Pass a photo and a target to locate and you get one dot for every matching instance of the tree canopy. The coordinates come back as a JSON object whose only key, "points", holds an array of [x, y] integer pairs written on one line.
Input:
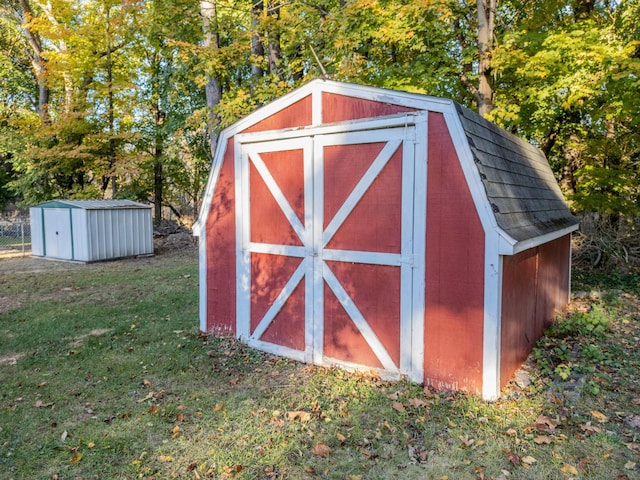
{"points": [[106, 98]]}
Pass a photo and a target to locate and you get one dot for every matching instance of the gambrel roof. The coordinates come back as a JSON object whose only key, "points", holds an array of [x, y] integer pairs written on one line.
{"points": [[524, 194]]}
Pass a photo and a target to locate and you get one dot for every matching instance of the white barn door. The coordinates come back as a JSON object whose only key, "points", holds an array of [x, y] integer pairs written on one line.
{"points": [[329, 268]]}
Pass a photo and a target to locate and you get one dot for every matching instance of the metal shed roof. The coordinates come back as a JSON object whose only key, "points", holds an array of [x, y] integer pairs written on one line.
{"points": [[524, 194], [92, 204]]}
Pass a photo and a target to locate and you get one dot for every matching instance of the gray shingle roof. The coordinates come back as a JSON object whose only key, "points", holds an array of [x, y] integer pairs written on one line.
{"points": [[523, 192]]}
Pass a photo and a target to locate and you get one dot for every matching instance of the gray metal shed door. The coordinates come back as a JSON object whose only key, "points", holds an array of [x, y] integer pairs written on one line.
{"points": [[57, 233]]}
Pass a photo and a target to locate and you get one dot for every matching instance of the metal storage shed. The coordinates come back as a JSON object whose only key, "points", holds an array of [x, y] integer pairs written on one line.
{"points": [[91, 230], [383, 230]]}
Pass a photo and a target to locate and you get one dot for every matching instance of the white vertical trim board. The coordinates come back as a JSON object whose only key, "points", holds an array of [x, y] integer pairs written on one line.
{"points": [[492, 319], [202, 277], [243, 254], [316, 107], [316, 323], [419, 211]]}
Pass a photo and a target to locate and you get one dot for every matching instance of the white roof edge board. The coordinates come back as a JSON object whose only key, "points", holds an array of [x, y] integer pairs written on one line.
{"points": [[513, 247]]}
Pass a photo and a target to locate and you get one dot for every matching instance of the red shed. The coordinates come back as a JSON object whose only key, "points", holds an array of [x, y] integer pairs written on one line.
{"points": [[383, 230]]}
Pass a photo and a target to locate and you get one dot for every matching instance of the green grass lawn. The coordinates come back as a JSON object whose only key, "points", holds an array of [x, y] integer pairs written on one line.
{"points": [[104, 375]]}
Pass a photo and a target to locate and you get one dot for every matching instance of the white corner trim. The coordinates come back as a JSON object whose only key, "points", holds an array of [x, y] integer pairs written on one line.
{"points": [[492, 319], [202, 277]]}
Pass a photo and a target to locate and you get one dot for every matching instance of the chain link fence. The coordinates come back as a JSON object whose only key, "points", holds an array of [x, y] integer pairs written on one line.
{"points": [[15, 233]]}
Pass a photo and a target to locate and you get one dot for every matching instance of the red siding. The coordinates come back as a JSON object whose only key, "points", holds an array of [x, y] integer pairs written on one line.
{"points": [[374, 223], [535, 283], [297, 114], [454, 299], [519, 331], [339, 108], [221, 249]]}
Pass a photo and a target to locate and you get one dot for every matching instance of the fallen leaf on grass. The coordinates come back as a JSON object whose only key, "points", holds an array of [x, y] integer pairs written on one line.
{"points": [[321, 450], [569, 469], [542, 439], [634, 447], [165, 458], [601, 417], [513, 458], [589, 429], [545, 424], [466, 441], [398, 407], [149, 396], [630, 465], [417, 403], [528, 460], [341, 437], [299, 415], [76, 457], [365, 452], [41, 404], [512, 432]]}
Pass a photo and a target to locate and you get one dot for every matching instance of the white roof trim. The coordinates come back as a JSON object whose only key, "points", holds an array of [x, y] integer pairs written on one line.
{"points": [[513, 247]]}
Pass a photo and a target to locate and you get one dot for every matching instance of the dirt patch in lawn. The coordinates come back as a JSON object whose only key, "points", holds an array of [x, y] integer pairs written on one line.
{"points": [[16, 267]]}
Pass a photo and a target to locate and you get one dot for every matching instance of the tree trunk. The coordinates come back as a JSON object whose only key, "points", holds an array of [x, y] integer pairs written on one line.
{"points": [[275, 51], [213, 89], [60, 46], [37, 63], [486, 21], [257, 45], [158, 177], [112, 140]]}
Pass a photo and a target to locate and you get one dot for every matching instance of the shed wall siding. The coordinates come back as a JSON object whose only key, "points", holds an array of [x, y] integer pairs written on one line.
{"points": [[37, 233], [454, 293], [339, 108], [221, 251], [297, 114], [535, 284]]}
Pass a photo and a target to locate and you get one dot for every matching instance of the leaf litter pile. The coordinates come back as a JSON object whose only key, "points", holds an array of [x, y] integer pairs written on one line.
{"points": [[120, 384]]}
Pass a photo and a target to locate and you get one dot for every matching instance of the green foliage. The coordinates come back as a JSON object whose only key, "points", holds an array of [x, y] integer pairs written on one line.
{"points": [[592, 324], [126, 83], [566, 86]]}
